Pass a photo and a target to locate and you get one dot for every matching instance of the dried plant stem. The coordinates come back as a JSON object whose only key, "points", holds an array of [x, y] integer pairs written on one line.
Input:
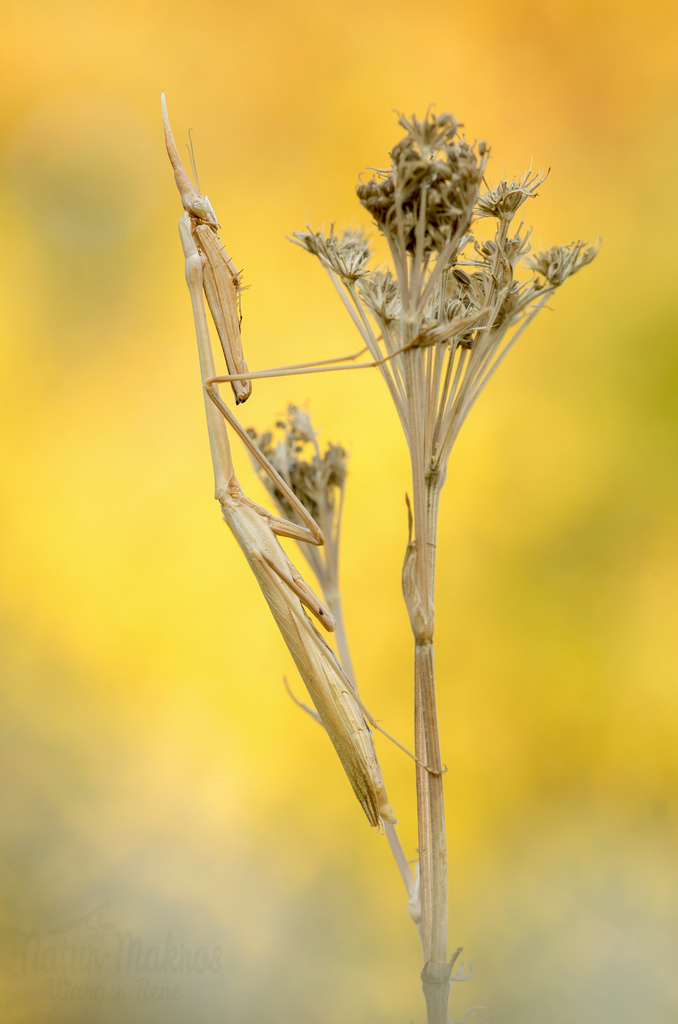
{"points": [[333, 600], [418, 588], [402, 863], [430, 808]]}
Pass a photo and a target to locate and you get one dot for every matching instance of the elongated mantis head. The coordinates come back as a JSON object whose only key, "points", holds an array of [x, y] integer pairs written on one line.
{"points": [[196, 205]]}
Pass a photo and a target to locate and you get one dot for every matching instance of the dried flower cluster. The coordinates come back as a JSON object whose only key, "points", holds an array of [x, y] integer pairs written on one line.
{"points": [[318, 479], [454, 296], [424, 202]]}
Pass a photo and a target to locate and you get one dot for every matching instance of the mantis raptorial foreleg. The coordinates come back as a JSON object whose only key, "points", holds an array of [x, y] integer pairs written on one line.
{"points": [[256, 529]]}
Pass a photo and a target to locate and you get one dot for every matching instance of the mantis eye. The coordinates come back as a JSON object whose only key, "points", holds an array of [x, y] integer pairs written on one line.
{"points": [[201, 208]]}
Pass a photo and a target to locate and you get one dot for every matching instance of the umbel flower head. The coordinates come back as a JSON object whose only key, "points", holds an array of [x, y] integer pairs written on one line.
{"points": [[424, 201], [439, 322], [317, 478]]}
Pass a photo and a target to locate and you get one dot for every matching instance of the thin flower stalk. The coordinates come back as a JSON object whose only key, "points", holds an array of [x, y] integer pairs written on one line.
{"points": [[318, 480]]}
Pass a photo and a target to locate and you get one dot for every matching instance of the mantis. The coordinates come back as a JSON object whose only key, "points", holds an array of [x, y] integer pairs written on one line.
{"points": [[211, 275]]}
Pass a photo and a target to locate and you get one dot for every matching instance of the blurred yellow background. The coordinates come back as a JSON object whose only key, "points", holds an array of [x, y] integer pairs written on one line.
{"points": [[157, 780]]}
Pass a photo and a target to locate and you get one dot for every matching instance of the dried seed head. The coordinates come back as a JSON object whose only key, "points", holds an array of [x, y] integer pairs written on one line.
{"points": [[504, 200], [346, 255], [562, 261], [380, 293], [427, 196], [440, 325], [317, 480]]}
